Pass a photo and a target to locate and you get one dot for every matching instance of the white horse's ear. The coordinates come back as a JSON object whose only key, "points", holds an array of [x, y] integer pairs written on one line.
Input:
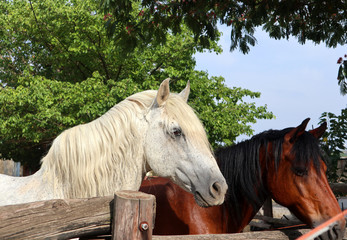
{"points": [[163, 93], [185, 92]]}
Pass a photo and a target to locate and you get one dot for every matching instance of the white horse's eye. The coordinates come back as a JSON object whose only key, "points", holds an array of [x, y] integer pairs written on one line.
{"points": [[177, 132]]}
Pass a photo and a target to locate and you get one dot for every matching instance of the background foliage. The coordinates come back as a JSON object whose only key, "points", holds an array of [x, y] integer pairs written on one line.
{"points": [[137, 21], [58, 69], [342, 74], [334, 139], [319, 21]]}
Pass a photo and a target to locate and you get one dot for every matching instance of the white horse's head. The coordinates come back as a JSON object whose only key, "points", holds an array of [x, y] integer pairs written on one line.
{"points": [[181, 150]]}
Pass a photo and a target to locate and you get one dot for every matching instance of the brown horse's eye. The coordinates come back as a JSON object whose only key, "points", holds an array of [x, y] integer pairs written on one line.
{"points": [[300, 171]]}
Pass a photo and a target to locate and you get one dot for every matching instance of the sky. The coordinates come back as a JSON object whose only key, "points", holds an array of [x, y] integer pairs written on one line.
{"points": [[295, 81]]}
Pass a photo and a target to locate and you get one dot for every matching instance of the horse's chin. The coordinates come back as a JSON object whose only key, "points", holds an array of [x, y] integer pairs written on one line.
{"points": [[197, 196], [200, 200], [333, 233], [184, 184]]}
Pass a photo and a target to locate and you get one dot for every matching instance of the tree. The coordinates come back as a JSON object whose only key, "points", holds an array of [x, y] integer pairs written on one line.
{"points": [[319, 21], [342, 75], [60, 69], [334, 139]]}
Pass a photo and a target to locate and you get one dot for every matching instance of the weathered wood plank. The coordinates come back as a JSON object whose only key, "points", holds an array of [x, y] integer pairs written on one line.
{"points": [[266, 235], [267, 207], [133, 216], [256, 235], [339, 188], [56, 219], [278, 235], [278, 222]]}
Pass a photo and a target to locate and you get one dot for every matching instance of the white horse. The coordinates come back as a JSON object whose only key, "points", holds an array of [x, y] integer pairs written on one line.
{"points": [[150, 130]]}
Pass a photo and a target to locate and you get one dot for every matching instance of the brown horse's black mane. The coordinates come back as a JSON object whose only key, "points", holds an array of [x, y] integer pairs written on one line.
{"points": [[241, 168]]}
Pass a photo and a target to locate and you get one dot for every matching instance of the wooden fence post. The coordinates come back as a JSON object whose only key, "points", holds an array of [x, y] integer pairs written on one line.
{"points": [[267, 207], [133, 217]]}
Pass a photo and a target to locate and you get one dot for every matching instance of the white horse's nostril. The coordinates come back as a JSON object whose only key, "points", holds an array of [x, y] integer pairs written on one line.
{"points": [[215, 190]]}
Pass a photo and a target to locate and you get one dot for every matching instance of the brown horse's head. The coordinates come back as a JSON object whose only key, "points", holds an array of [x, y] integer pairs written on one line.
{"points": [[300, 183]]}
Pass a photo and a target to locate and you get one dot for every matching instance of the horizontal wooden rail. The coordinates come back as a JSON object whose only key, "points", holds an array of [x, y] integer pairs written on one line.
{"points": [[56, 219], [339, 188], [267, 235], [276, 235], [69, 218]]}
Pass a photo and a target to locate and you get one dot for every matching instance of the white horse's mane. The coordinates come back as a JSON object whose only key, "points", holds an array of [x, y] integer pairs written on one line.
{"points": [[89, 159]]}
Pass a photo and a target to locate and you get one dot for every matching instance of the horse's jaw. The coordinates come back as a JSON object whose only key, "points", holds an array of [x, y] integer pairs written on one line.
{"points": [[195, 180]]}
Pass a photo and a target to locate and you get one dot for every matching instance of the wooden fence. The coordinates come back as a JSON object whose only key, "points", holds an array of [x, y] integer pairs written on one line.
{"points": [[11, 168], [127, 215], [132, 214]]}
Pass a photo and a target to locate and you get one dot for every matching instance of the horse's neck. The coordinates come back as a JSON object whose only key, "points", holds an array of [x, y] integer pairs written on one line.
{"points": [[135, 174], [237, 222], [119, 165], [246, 209], [239, 216], [250, 209]]}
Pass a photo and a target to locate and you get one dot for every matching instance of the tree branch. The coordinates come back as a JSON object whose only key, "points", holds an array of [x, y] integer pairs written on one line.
{"points": [[101, 57], [118, 72], [155, 69]]}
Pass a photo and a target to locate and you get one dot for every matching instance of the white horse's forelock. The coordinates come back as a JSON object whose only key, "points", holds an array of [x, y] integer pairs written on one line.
{"points": [[89, 160], [178, 109]]}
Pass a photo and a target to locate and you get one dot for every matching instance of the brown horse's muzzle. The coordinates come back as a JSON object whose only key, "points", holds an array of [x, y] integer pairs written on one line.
{"points": [[334, 232]]}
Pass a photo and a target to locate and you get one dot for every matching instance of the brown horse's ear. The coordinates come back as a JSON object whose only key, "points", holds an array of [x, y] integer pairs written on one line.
{"points": [[319, 131], [163, 94], [296, 132]]}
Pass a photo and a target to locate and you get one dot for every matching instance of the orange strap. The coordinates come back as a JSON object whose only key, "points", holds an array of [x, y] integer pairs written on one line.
{"points": [[288, 227]]}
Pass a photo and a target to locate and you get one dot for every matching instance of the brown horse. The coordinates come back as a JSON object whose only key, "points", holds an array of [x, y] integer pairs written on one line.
{"points": [[286, 165]]}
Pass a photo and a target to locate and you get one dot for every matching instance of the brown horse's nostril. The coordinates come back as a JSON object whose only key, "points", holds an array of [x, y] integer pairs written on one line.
{"points": [[332, 233], [215, 190]]}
